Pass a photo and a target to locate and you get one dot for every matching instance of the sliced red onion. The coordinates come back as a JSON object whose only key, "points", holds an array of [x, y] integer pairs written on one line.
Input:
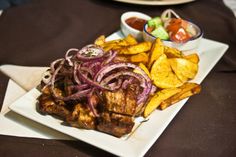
{"points": [[79, 87], [68, 57], [95, 68], [77, 95], [90, 52], [115, 85], [127, 82], [109, 68], [53, 64], [153, 90], [91, 103], [87, 71], [76, 79], [142, 98], [122, 73], [112, 55], [54, 78], [92, 82]]}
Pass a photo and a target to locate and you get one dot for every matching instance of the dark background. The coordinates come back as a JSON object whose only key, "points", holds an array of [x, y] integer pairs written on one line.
{"points": [[40, 31]]}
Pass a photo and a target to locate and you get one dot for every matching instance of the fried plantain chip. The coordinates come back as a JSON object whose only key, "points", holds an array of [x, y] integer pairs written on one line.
{"points": [[183, 68], [193, 58], [172, 52], [156, 100], [100, 40], [162, 74], [135, 49], [139, 58], [188, 89], [130, 40], [142, 66], [115, 44], [156, 50]]}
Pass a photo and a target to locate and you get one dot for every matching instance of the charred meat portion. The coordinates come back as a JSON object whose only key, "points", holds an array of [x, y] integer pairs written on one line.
{"points": [[81, 117], [115, 117], [115, 124], [123, 101], [47, 105], [115, 110]]}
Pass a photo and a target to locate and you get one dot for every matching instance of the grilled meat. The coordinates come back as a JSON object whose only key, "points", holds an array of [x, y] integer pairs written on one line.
{"points": [[81, 117], [116, 110], [115, 124], [122, 101], [47, 105]]}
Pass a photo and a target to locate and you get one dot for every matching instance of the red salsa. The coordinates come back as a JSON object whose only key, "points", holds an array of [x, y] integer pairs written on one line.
{"points": [[136, 23]]}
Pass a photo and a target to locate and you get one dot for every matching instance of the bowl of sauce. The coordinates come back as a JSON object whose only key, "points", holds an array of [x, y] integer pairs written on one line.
{"points": [[133, 23]]}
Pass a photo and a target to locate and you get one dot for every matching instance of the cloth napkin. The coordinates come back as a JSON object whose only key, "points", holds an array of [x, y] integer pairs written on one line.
{"points": [[23, 79]]}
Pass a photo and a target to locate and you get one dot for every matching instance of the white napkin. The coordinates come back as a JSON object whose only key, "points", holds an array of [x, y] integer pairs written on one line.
{"points": [[26, 77], [16, 125]]}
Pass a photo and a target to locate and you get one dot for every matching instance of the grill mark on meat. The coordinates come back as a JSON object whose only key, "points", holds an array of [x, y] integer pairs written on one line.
{"points": [[122, 101], [48, 106], [81, 117], [115, 124]]}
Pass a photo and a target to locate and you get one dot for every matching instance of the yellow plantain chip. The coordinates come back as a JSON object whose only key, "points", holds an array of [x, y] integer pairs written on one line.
{"points": [[130, 40], [193, 58], [172, 52], [156, 100], [156, 50], [183, 68], [142, 66], [135, 49], [139, 58], [100, 40], [162, 74], [188, 89]]}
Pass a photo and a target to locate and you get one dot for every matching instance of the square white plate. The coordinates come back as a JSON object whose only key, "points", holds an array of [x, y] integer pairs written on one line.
{"points": [[144, 135]]}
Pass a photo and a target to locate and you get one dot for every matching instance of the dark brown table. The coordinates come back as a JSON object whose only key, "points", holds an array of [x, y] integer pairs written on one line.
{"points": [[36, 33]]}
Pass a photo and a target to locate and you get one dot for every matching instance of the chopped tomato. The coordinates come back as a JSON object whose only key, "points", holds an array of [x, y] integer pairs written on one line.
{"points": [[177, 30], [150, 29], [174, 25], [180, 36]]}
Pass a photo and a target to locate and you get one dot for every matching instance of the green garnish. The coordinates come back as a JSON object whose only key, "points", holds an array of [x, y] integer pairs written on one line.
{"points": [[155, 22], [160, 32]]}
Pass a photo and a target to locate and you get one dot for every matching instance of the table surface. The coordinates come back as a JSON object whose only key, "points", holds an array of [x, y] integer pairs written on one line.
{"points": [[38, 32]]}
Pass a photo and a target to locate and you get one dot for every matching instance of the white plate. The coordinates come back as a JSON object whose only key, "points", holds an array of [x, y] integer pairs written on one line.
{"points": [[141, 139], [155, 2]]}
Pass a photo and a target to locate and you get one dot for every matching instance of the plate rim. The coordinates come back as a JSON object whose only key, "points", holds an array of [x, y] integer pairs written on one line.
{"points": [[155, 2]]}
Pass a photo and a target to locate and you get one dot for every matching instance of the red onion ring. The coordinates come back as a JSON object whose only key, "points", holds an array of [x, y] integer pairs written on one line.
{"points": [[90, 52], [112, 55], [91, 82], [76, 79], [53, 64], [68, 57], [91, 104], [54, 78], [122, 73], [77, 95]]}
